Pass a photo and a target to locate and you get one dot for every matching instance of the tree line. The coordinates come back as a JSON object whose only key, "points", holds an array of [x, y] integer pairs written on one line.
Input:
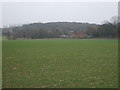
{"points": [[56, 29]]}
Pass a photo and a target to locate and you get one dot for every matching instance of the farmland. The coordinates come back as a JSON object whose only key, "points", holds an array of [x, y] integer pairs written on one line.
{"points": [[60, 63]]}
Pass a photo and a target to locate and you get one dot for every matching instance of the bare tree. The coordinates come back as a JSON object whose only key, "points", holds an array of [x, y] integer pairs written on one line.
{"points": [[114, 20]]}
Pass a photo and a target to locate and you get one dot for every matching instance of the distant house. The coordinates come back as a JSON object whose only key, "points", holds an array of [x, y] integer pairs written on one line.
{"points": [[79, 34], [82, 34]]}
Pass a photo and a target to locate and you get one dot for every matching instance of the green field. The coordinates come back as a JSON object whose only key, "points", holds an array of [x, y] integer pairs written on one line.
{"points": [[60, 63]]}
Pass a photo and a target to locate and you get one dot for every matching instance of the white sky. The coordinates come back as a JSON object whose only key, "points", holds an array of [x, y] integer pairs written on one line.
{"points": [[29, 12], [59, 0]]}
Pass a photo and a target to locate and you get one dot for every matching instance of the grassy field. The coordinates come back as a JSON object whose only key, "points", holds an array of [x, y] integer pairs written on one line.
{"points": [[60, 63]]}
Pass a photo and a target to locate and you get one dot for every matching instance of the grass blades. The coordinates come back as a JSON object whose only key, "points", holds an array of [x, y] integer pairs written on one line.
{"points": [[60, 63]]}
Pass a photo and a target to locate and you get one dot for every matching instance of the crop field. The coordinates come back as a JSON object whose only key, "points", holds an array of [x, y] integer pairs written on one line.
{"points": [[60, 63]]}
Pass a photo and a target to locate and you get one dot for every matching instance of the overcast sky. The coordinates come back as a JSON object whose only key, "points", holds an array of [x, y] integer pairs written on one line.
{"points": [[29, 12]]}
